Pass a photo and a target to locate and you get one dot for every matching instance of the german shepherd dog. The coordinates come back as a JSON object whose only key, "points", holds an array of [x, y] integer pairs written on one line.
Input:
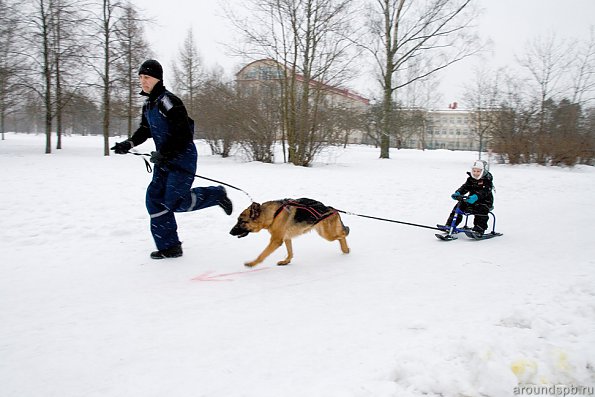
{"points": [[286, 219]]}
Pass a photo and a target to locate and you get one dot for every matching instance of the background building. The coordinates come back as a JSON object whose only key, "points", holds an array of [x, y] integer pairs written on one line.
{"points": [[264, 79], [252, 76], [451, 128]]}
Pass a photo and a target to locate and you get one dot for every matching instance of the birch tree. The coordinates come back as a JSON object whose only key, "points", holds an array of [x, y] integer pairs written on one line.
{"points": [[9, 61], [38, 43], [405, 34], [134, 49], [69, 51], [107, 14]]}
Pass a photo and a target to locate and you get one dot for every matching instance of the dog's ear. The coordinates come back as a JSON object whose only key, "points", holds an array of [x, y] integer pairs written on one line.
{"points": [[254, 210]]}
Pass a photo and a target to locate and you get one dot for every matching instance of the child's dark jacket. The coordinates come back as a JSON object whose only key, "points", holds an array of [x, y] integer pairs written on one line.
{"points": [[482, 187]]}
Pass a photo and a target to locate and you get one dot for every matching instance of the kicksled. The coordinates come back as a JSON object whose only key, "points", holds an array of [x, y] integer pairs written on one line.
{"points": [[452, 229], [450, 235]]}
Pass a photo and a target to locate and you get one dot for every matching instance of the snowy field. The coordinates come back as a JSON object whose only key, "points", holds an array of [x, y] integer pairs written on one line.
{"points": [[84, 312]]}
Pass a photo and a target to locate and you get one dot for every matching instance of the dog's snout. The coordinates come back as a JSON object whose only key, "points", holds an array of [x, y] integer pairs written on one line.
{"points": [[239, 231]]}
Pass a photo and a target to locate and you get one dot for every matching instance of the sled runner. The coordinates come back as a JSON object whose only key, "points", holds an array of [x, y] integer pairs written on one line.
{"points": [[452, 229]]}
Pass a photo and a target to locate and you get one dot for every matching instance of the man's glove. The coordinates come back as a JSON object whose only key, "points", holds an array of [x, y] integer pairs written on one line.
{"points": [[122, 147], [158, 159], [472, 199], [455, 195]]}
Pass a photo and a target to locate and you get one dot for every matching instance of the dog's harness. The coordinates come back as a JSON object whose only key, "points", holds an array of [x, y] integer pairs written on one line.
{"points": [[307, 210]]}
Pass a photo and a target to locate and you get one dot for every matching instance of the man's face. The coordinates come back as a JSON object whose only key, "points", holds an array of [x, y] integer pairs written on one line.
{"points": [[147, 82]]}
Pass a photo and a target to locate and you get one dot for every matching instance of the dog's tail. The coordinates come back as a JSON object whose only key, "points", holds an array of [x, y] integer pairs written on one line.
{"points": [[345, 228]]}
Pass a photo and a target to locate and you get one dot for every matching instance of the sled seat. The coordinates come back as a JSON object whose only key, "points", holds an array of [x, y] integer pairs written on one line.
{"points": [[491, 213]]}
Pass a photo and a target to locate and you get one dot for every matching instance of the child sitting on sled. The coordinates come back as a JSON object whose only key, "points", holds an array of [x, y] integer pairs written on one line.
{"points": [[480, 200]]}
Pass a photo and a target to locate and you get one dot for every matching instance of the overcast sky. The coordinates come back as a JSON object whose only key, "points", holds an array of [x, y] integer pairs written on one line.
{"points": [[510, 24]]}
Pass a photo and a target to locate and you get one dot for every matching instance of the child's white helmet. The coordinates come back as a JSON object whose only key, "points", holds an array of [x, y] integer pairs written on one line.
{"points": [[479, 165]]}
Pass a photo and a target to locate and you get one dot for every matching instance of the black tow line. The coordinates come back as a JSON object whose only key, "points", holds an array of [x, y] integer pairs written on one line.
{"points": [[149, 170], [170, 165], [389, 220]]}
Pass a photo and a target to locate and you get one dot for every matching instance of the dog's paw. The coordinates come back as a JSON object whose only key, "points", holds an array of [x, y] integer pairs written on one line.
{"points": [[251, 264], [283, 263]]}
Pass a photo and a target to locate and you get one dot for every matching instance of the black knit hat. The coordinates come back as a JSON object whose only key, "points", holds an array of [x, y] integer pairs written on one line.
{"points": [[151, 68]]}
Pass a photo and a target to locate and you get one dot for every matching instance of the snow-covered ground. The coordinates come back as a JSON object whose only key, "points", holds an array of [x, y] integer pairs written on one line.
{"points": [[85, 312]]}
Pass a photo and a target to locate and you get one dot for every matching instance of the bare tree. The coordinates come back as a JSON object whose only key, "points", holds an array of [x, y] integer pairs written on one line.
{"points": [[189, 75], [482, 96], [513, 128], [52, 44], [583, 71], [9, 60], [38, 46], [219, 116], [309, 41], [543, 119], [131, 43], [428, 36], [347, 123], [373, 124], [546, 61], [69, 50], [107, 15], [259, 119]]}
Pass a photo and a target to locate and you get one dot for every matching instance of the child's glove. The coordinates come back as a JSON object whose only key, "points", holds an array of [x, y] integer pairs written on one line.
{"points": [[472, 199], [455, 195]]}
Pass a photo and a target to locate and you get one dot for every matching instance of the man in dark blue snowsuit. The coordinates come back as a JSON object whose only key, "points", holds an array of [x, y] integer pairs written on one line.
{"points": [[164, 118]]}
